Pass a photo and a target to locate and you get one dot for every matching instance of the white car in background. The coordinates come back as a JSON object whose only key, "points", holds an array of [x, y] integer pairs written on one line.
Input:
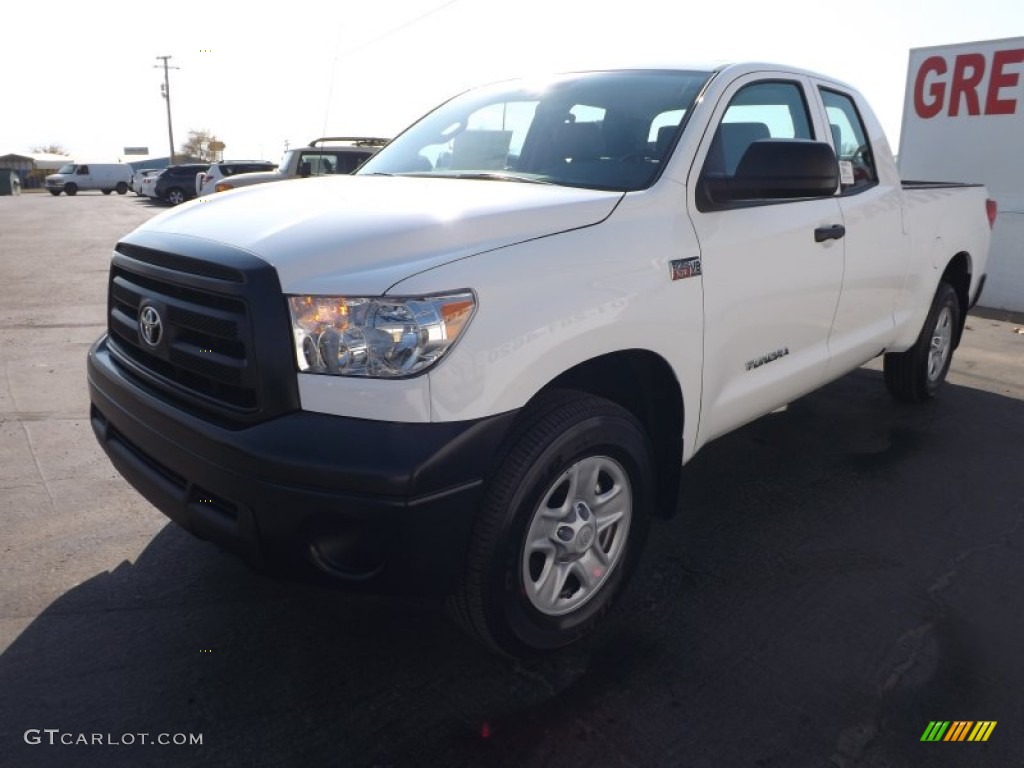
{"points": [[139, 176], [207, 180], [147, 188]]}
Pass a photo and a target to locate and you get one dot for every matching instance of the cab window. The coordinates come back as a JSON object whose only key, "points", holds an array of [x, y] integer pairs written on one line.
{"points": [[763, 110], [857, 170], [770, 110]]}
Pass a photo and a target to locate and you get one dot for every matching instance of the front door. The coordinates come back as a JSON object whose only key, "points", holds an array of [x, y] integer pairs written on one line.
{"points": [[770, 286]]}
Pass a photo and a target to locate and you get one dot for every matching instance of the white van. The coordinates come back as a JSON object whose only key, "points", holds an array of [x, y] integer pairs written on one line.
{"points": [[106, 177]]}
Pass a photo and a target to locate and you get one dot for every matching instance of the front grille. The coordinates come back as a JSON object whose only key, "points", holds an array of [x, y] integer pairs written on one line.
{"points": [[204, 355], [203, 347]]}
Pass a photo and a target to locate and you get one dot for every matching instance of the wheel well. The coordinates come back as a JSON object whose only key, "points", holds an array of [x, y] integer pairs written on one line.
{"points": [[958, 275], [645, 385]]}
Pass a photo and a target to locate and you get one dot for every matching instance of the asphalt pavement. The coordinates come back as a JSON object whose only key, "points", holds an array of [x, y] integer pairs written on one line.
{"points": [[840, 575]]}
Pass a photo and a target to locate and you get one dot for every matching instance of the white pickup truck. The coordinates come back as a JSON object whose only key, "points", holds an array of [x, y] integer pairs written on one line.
{"points": [[476, 367]]}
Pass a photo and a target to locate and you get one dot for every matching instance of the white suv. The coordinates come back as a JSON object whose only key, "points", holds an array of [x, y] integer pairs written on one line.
{"points": [[207, 180]]}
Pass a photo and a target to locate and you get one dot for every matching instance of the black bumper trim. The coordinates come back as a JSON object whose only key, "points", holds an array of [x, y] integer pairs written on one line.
{"points": [[382, 506]]}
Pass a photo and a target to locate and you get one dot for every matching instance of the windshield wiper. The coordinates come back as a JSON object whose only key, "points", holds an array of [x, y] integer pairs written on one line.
{"points": [[489, 176]]}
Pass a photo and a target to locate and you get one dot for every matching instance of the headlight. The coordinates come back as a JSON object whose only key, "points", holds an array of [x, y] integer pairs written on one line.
{"points": [[222, 186], [383, 337]]}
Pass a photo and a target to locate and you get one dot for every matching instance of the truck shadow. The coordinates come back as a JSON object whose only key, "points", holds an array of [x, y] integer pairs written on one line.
{"points": [[793, 613]]}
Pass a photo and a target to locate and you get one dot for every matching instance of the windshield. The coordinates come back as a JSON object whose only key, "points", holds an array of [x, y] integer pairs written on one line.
{"points": [[602, 130], [67, 168]]}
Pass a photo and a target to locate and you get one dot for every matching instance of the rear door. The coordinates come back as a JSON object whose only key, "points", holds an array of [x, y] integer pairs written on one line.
{"points": [[877, 247], [770, 289]]}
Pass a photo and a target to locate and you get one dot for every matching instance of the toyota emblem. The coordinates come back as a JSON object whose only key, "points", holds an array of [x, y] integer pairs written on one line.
{"points": [[151, 327]]}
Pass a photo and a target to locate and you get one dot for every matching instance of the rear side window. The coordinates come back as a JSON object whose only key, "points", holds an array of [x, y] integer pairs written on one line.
{"points": [[857, 169], [349, 161], [231, 170], [318, 164]]}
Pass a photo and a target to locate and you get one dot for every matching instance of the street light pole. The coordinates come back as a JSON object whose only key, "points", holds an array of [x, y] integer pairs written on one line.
{"points": [[166, 93]]}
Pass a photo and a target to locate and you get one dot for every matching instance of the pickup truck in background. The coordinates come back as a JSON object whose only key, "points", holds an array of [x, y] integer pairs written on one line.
{"points": [[475, 367], [322, 157]]}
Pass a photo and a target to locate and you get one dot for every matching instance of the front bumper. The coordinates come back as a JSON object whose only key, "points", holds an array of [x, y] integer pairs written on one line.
{"points": [[381, 506]]}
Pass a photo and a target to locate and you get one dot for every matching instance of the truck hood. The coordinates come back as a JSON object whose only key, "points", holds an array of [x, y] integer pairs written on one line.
{"points": [[359, 235]]}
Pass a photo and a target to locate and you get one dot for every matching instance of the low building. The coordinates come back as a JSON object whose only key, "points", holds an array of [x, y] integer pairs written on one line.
{"points": [[33, 167]]}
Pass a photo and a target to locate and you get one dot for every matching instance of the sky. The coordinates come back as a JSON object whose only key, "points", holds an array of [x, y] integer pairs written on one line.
{"points": [[260, 77]]}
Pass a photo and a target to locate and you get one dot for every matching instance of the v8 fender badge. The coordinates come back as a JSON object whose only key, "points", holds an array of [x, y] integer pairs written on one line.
{"points": [[769, 358], [680, 269]]}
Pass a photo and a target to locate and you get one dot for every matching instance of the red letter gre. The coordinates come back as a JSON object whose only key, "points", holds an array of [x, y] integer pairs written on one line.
{"points": [[965, 84], [937, 90], [999, 80]]}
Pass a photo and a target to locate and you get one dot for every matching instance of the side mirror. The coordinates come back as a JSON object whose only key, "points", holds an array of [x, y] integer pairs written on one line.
{"points": [[778, 169], [305, 169]]}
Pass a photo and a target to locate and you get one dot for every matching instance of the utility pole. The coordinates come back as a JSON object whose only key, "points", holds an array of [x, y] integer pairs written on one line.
{"points": [[165, 91]]}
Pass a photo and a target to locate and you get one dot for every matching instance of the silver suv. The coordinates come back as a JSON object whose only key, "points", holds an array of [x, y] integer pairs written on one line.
{"points": [[207, 180]]}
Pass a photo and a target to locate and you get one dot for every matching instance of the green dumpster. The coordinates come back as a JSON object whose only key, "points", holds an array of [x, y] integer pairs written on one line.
{"points": [[10, 184]]}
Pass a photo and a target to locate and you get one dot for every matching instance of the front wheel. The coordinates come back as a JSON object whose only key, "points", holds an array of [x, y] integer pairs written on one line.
{"points": [[106, 191], [175, 196], [917, 374], [55, 192], [121, 188], [561, 528]]}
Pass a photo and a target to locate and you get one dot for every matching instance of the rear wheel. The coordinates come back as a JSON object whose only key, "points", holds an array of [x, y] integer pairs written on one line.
{"points": [[55, 192], [70, 189], [175, 196], [917, 374], [121, 188], [106, 191], [561, 527]]}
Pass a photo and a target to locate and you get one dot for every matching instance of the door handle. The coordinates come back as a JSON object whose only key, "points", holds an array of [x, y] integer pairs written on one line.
{"points": [[835, 232]]}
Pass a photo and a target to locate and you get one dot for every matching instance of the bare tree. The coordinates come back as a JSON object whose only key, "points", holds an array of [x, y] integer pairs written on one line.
{"points": [[49, 149], [197, 146]]}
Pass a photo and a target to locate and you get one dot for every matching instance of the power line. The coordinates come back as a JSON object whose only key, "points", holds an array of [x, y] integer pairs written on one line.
{"points": [[367, 43], [399, 28]]}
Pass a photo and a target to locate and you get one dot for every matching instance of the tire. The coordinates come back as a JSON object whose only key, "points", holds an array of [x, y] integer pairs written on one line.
{"points": [[917, 374], [106, 191], [55, 192], [70, 189], [561, 528], [121, 188], [175, 196]]}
